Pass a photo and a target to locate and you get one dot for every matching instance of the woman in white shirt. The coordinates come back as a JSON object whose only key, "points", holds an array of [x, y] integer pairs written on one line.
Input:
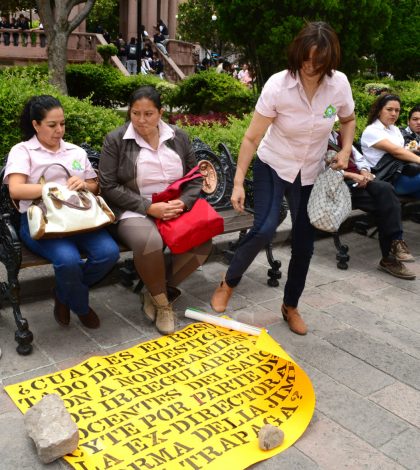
{"points": [[382, 136]]}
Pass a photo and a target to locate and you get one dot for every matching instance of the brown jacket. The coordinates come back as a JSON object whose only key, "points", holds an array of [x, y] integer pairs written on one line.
{"points": [[118, 171]]}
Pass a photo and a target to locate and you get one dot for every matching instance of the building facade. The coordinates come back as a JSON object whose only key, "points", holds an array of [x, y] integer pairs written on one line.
{"points": [[147, 12]]}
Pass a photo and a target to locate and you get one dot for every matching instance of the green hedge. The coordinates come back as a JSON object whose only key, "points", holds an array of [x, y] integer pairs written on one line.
{"points": [[84, 122], [200, 93], [106, 86], [208, 91], [103, 85]]}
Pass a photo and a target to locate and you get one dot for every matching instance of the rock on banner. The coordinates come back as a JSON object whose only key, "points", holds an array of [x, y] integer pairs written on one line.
{"points": [[195, 399]]}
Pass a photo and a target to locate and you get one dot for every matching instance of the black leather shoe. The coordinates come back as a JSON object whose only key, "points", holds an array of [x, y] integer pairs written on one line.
{"points": [[61, 312], [91, 320]]}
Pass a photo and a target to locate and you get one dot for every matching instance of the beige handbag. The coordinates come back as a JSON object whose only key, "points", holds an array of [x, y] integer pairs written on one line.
{"points": [[330, 201], [61, 212]]}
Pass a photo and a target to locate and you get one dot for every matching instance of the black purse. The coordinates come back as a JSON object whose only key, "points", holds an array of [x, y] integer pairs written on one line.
{"points": [[389, 168]]}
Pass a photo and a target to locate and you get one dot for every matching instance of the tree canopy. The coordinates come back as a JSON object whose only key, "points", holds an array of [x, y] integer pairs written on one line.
{"points": [[16, 5], [262, 29], [399, 51]]}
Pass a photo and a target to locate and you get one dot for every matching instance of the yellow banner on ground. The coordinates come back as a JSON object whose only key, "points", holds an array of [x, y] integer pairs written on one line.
{"points": [[195, 399]]}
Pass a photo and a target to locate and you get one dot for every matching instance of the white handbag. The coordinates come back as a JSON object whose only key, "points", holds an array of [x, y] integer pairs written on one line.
{"points": [[61, 212], [330, 201]]}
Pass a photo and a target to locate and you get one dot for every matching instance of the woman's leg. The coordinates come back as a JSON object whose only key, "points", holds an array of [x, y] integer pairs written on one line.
{"points": [[303, 234], [102, 253], [184, 264], [387, 214], [68, 267], [143, 238], [268, 197], [408, 186]]}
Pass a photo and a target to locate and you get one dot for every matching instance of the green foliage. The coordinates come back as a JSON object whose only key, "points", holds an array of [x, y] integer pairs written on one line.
{"points": [[210, 91], [262, 29], [84, 122], [93, 81], [105, 13], [106, 86], [231, 135], [107, 51], [399, 52], [17, 5], [195, 24]]}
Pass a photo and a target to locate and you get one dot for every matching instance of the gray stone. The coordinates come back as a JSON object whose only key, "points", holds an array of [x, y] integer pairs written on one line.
{"points": [[50, 426], [270, 437]]}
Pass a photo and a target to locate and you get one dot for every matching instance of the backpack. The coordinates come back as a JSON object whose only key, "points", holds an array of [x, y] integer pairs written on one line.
{"points": [[132, 50], [122, 47]]}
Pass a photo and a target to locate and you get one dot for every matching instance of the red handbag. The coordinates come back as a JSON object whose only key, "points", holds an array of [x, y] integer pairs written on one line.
{"points": [[193, 227]]}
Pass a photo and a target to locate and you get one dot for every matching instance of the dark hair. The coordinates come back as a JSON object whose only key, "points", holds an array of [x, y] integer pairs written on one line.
{"points": [[416, 109], [144, 92], [327, 54], [378, 104], [36, 109]]}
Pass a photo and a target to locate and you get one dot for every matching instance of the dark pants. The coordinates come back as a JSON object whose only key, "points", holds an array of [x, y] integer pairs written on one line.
{"points": [[269, 190], [380, 199]]}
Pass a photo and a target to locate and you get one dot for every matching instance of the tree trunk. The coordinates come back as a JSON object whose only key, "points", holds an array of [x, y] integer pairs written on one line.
{"points": [[57, 59], [58, 24]]}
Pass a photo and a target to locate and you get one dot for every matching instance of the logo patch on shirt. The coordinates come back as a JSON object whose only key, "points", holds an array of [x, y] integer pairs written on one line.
{"points": [[76, 165], [330, 111]]}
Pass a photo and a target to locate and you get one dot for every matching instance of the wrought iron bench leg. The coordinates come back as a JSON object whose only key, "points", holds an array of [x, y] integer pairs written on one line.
{"points": [[23, 335], [11, 257], [274, 273], [10, 290], [129, 274], [342, 256]]}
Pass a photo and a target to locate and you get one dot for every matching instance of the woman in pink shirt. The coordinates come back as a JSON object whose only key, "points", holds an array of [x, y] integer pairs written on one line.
{"points": [[43, 125], [138, 159], [289, 130]]}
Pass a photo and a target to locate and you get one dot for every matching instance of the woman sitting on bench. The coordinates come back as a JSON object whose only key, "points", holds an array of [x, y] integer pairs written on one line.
{"points": [[138, 159], [379, 198], [42, 125], [382, 136]]}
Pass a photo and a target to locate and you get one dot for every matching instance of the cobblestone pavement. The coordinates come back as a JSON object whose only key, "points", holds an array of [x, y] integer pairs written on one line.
{"points": [[362, 351]]}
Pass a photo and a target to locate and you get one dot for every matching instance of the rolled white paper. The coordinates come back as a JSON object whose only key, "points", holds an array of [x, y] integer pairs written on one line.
{"points": [[224, 322]]}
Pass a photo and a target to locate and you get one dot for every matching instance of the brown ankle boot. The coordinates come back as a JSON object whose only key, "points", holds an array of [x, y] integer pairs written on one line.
{"points": [[91, 320], [165, 316], [221, 297], [294, 320], [149, 308]]}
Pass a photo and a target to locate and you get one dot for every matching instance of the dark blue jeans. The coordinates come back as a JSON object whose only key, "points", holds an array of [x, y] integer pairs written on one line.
{"points": [[269, 190], [408, 186], [73, 275]]}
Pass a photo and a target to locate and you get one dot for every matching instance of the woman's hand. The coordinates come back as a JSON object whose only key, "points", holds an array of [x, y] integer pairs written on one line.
{"points": [[166, 210], [238, 197], [360, 180], [367, 175], [340, 160], [74, 183]]}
